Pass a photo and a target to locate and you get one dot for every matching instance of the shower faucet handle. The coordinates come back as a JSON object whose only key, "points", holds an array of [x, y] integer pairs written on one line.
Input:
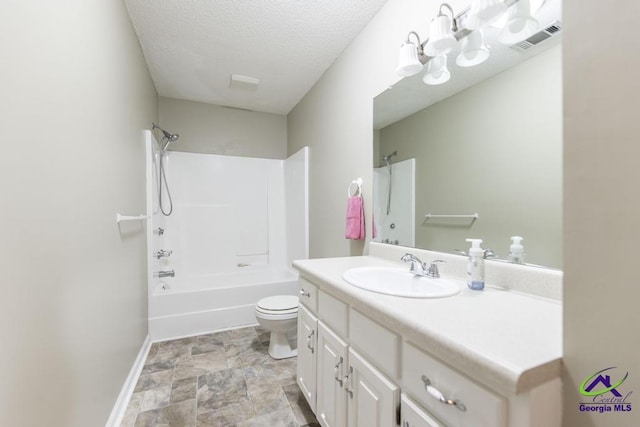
{"points": [[162, 254]]}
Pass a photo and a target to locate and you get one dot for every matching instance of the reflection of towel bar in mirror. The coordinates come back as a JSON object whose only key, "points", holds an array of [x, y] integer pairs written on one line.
{"points": [[472, 217]]}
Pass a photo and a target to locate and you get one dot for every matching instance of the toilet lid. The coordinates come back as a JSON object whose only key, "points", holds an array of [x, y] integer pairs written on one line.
{"points": [[278, 303]]}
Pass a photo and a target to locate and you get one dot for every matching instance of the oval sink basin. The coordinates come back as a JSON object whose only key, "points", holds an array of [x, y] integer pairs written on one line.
{"points": [[399, 282]]}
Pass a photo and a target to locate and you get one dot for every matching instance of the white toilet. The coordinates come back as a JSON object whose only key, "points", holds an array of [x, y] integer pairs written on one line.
{"points": [[278, 315]]}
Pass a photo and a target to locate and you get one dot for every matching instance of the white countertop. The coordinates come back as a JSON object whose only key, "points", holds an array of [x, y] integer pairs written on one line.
{"points": [[506, 340]]}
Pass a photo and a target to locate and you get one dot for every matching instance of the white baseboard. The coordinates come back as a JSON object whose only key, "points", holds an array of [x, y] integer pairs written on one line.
{"points": [[117, 413]]}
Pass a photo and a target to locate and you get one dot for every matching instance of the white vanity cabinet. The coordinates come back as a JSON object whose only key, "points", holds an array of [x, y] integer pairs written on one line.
{"points": [[412, 415], [387, 361], [373, 399], [465, 402], [308, 294], [342, 387], [307, 343], [350, 390], [332, 366]]}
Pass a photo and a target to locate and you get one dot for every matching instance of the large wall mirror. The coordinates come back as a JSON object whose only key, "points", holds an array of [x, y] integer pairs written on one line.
{"points": [[488, 142]]}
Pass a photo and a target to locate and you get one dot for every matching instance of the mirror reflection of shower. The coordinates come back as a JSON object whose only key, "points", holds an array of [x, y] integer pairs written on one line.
{"points": [[387, 160], [397, 226], [167, 138]]}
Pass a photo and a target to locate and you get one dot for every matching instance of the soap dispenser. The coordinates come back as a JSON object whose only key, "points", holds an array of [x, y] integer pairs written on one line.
{"points": [[516, 250], [475, 265]]}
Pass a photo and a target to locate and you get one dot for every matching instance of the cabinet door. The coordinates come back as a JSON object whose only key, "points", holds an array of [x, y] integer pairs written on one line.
{"points": [[415, 416], [331, 408], [307, 338], [373, 400]]}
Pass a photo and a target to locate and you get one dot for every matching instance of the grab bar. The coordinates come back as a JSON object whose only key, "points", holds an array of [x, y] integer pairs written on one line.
{"points": [[120, 218]]}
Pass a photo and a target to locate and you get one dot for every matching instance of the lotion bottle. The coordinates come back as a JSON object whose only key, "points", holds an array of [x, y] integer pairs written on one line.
{"points": [[516, 250], [475, 266]]}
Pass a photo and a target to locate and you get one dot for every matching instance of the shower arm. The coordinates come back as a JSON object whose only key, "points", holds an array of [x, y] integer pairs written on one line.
{"points": [[170, 137]]}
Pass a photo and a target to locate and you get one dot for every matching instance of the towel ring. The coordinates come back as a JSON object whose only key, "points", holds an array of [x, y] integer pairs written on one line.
{"points": [[358, 189]]}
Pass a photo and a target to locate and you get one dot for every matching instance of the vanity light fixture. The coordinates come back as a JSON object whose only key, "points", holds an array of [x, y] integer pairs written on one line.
{"points": [[485, 12], [441, 39], [445, 32], [408, 59], [534, 6], [437, 71], [473, 51], [520, 24]]}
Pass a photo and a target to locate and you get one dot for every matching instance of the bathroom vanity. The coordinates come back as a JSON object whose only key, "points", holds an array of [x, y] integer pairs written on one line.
{"points": [[479, 358]]}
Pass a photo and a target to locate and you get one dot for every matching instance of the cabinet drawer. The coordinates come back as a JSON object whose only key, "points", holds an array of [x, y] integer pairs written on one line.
{"points": [[333, 312], [308, 294], [413, 415], [376, 342], [482, 407]]}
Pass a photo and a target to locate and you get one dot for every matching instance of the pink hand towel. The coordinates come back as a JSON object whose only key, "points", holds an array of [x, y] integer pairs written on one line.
{"points": [[355, 219]]}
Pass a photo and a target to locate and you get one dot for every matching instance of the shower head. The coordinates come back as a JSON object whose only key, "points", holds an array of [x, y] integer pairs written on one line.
{"points": [[388, 157], [170, 137]]}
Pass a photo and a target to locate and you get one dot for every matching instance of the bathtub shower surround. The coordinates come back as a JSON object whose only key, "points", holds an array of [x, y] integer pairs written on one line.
{"points": [[237, 224]]}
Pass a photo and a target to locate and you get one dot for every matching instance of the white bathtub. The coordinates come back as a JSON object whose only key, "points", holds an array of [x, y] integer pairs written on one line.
{"points": [[182, 307]]}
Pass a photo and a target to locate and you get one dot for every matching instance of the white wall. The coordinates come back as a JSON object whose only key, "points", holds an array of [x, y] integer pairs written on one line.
{"points": [[215, 129], [601, 203], [76, 96]]}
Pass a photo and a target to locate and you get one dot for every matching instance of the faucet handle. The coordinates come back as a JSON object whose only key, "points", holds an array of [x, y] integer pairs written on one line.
{"points": [[489, 254], [433, 268], [162, 253]]}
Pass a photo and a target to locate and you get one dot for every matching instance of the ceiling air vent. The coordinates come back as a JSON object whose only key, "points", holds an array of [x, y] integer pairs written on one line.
{"points": [[538, 37]]}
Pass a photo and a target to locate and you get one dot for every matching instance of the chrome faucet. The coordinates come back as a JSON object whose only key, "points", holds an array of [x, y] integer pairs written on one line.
{"points": [[169, 273], [489, 254], [420, 268], [417, 267]]}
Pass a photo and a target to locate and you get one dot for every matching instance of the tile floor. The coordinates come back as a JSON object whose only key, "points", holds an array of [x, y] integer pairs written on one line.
{"points": [[221, 379]]}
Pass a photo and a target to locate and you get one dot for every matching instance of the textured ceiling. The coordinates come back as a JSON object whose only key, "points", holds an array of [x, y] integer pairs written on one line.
{"points": [[192, 47]]}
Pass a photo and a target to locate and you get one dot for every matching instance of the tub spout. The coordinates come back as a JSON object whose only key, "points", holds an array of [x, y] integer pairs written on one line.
{"points": [[169, 273]]}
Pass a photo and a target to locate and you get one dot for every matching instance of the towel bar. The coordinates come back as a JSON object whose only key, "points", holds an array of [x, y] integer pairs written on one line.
{"points": [[474, 216], [120, 218]]}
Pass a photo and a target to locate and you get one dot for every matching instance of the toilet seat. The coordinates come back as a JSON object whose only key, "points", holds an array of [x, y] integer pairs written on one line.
{"points": [[277, 316], [279, 305]]}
